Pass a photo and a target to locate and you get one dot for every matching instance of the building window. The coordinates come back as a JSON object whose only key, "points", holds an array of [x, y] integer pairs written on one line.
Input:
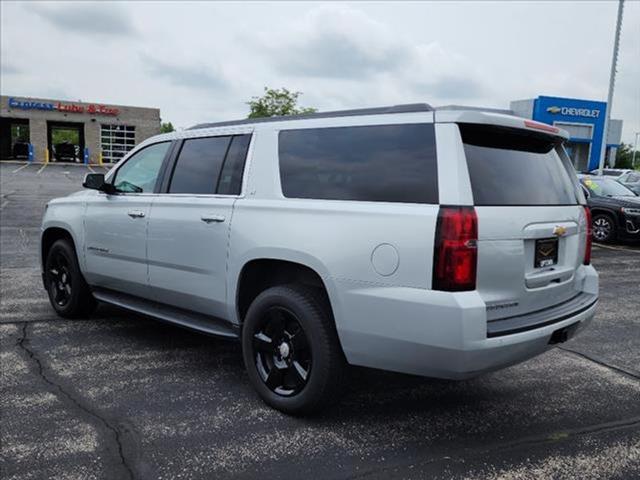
{"points": [[116, 141]]}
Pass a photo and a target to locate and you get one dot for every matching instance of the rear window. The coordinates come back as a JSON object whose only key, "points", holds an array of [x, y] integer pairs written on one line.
{"points": [[381, 163], [509, 166]]}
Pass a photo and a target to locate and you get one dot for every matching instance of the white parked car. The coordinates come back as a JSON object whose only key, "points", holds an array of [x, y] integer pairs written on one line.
{"points": [[432, 242], [614, 173]]}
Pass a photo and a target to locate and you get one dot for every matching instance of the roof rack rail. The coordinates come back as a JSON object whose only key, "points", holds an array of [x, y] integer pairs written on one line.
{"points": [[407, 108]]}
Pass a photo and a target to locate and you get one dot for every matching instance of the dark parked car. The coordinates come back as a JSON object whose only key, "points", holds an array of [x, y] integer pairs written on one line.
{"points": [[64, 152], [20, 150], [631, 180], [615, 210]]}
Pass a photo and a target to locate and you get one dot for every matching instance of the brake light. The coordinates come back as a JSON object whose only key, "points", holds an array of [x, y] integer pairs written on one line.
{"points": [[589, 240], [541, 126], [455, 254]]}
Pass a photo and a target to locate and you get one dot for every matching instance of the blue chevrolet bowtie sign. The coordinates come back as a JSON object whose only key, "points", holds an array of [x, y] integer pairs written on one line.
{"points": [[575, 112], [571, 111]]}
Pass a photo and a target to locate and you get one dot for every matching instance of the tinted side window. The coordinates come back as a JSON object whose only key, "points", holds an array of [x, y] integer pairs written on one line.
{"points": [[198, 165], [381, 163], [140, 172], [230, 181], [509, 166]]}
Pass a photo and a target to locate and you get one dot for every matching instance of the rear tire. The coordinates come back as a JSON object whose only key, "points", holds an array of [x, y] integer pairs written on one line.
{"points": [[603, 228], [291, 350], [68, 291]]}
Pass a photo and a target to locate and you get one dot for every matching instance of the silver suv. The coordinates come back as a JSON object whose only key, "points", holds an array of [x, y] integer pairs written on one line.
{"points": [[443, 243]]}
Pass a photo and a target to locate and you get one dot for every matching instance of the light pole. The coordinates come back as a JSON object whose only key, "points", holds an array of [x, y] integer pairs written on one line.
{"points": [[635, 149], [612, 81]]}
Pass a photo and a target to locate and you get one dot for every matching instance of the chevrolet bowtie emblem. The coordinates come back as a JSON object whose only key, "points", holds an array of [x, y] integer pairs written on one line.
{"points": [[559, 231]]}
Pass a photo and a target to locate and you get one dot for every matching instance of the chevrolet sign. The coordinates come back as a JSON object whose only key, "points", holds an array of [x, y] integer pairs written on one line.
{"points": [[575, 112]]}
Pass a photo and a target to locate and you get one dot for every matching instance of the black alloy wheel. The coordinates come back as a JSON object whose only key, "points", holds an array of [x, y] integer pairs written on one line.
{"points": [[291, 349], [68, 291], [59, 277], [282, 353]]}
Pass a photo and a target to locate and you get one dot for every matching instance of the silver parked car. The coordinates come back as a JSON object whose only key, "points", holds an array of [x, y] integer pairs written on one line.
{"points": [[631, 180], [442, 243]]}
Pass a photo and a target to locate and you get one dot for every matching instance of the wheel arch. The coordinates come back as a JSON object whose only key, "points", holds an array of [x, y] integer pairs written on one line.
{"points": [[49, 236], [595, 211], [261, 272]]}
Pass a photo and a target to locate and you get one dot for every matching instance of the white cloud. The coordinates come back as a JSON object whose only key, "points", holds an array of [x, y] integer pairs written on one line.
{"points": [[85, 17], [335, 41], [198, 76]]}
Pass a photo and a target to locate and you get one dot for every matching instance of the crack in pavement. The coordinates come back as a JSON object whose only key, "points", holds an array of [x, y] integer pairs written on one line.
{"points": [[79, 404], [531, 441], [602, 363]]}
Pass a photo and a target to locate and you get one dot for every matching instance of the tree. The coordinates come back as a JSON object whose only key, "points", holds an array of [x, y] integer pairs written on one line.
{"points": [[624, 156], [276, 102], [166, 127]]}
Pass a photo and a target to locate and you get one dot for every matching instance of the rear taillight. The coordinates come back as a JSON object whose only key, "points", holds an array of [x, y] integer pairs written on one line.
{"points": [[456, 251], [587, 246]]}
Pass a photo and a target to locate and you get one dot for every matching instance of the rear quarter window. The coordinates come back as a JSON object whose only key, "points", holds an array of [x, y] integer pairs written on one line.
{"points": [[509, 166], [198, 165], [380, 163]]}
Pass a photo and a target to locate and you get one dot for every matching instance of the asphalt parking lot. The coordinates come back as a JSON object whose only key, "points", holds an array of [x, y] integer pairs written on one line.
{"points": [[119, 396]]}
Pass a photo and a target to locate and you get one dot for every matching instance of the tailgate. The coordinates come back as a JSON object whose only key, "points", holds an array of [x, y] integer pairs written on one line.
{"points": [[531, 227]]}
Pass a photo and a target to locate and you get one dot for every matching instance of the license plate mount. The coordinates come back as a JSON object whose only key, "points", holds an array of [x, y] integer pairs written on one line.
{"points": [[546, 252]]}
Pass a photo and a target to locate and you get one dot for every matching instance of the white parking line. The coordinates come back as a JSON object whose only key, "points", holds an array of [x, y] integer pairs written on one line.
{"points": [[621, 249], [42, 168], [20, 168], [91, 169]]}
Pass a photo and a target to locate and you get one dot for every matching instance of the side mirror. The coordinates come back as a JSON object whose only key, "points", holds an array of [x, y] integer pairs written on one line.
{"points": [[95, 181]]}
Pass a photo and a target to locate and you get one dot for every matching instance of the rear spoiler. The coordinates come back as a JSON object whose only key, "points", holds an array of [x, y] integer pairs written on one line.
{"points": [[489, 118]]}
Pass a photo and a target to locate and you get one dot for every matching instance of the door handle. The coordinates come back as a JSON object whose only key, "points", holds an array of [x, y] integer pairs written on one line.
{"points": [[212, 218], [135, 213]]}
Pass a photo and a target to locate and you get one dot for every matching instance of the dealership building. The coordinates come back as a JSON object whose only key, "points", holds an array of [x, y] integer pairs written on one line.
{"points": [[583, 119], [39, 130]]}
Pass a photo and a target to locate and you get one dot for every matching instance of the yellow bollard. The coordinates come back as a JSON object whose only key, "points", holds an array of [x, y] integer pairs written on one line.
{"points": [[46, 155], [100, 158]]}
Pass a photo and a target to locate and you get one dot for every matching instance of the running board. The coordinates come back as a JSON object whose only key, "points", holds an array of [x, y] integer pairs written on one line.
{"points": [[166, 313]]}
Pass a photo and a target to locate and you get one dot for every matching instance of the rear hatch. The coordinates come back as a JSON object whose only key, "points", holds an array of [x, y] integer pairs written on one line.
{"points": [[531, 227]]}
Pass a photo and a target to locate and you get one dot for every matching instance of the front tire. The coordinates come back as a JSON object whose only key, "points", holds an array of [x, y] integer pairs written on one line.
{"points": [[68, 291], [291, 350], [603, 228]]}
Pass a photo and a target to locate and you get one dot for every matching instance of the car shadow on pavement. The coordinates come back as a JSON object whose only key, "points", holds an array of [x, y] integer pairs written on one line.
{"points": [[383, 392]]}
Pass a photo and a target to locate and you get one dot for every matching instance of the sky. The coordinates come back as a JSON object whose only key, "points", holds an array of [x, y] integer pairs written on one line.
{"points": [[202, 61]]}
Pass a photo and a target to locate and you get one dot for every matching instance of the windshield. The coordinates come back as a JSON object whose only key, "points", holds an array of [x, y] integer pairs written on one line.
{"points": [[605, 187]]}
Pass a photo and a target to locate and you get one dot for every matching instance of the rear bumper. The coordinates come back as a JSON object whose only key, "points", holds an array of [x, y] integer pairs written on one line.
{"points": [[445, 335], [541, 318]]}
